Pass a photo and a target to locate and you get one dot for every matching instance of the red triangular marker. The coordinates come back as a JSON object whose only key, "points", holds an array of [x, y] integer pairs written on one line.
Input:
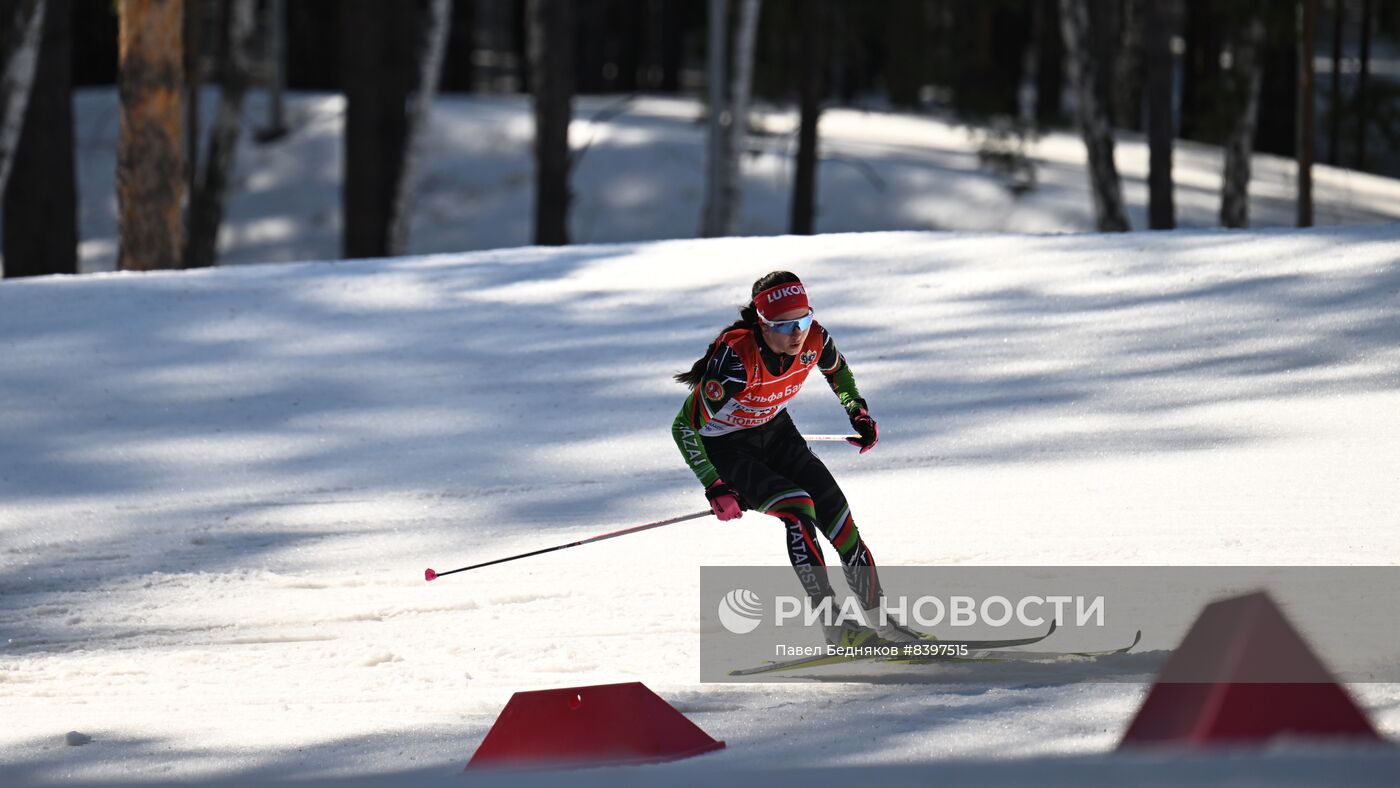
{"points": [[607, 724], [1244, 674]]}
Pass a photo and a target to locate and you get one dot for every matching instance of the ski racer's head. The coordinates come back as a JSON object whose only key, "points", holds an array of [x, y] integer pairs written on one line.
{"points": [[783, 324], [781, 311]]}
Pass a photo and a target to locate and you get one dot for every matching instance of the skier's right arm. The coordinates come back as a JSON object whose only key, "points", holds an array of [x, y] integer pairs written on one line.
{"points": [[724, 378]]}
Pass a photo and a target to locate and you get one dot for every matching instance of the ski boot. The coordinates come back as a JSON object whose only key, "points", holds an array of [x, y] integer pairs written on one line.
{"points": [[892, 632], [848, 635]]}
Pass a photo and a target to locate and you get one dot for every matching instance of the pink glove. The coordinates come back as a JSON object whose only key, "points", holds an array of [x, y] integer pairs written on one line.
{"points": [[724, 502], [865, 426]]}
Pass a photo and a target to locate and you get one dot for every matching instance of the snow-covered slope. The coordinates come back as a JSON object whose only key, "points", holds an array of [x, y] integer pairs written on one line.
{"points": [[221, 488]]}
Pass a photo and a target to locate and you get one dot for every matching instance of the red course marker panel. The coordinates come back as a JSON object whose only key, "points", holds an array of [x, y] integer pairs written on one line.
{"points": [[1243, 674], [607, 724]]}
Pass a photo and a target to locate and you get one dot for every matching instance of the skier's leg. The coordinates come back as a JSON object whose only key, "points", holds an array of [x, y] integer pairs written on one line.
{"points": [[794, 508], [765, 491], [832, 515]]}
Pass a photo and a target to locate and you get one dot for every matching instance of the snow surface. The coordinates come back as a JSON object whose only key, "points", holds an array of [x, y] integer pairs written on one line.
{"points": [[638, 176], [222, 487]]}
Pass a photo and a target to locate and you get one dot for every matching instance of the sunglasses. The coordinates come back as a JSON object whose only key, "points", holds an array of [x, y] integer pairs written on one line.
{"points": [[795, 326]]}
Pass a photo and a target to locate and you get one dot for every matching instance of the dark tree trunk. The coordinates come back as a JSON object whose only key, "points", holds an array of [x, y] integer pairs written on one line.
{"points": [[552, 60], [1156, 29], [1094, 125], [1306, 105], [459, 69], [1361, 84], [194, 80], [1334, 101], [812, 48], [150, 154], [1106, 40], [233, 73], [377, 45], [41, 227]]}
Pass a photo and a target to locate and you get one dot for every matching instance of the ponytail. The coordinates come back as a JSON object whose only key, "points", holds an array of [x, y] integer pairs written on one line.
{"points": [[748, 318]]}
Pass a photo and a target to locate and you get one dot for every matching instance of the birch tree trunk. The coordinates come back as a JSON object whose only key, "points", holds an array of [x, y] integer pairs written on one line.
{"points": [[234, 74], [744, 40], [716, 140], [41, 222], [19, 47], [436, 25], [1094, 124], [1239, 145], [552, 58], [150, 152]]}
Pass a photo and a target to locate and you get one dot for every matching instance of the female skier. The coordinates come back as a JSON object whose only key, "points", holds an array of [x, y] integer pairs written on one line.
{"points": [[735, 433]]}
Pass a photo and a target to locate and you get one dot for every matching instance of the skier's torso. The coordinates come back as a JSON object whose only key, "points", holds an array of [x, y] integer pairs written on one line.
{"points": [[770, 380], [745, 386]]}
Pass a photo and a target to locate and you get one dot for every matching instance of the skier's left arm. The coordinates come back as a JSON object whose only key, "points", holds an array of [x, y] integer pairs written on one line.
{"points": [[843, 383], [724, 378]]}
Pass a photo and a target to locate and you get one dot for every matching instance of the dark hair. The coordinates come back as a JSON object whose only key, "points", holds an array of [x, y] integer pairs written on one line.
{"points": [[748, 316]]}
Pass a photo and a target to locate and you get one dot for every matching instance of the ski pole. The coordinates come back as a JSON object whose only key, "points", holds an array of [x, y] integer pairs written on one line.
{"points": [[430, 575], [831, 437]]}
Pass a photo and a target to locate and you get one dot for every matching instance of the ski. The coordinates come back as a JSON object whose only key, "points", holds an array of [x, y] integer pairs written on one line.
{"points": [[980, 645], [1137, 638], [836, 659]]}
